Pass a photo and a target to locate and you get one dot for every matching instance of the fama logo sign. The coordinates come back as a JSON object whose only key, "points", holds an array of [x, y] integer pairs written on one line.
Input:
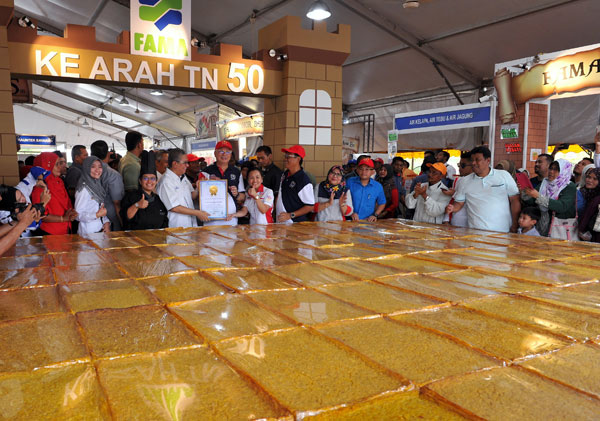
{"points": [[161, 28]]}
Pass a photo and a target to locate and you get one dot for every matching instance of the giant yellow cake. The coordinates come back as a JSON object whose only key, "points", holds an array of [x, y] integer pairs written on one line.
{"points": [[330, 320]]}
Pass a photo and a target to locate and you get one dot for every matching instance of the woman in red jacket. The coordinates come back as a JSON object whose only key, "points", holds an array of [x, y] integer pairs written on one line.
{"points": [[59, 211]]}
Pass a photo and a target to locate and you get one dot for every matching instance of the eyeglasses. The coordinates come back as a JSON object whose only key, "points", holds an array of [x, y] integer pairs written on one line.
{"points": [[185, 163], [291, 155], [149, 178], [463, 166], [224, 152], [336, 174]]}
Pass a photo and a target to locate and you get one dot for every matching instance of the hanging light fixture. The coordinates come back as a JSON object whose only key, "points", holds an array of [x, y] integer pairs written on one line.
{"points": [[85, 123], [318, 11], [156, 92], [102, 116], [124, 101]]}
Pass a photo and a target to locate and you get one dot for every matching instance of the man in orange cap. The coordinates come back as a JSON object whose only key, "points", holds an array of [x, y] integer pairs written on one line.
{"points": [[428, 199], [222, 170], [296, 197]]}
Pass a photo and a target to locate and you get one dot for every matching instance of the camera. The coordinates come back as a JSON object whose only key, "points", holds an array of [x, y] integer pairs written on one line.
{"points": [[20, 207]]}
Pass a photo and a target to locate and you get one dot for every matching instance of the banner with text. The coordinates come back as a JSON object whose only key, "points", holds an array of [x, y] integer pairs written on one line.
{"points": [[450, 118]]}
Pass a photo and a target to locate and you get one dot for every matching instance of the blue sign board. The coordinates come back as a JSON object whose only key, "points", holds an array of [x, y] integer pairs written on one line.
{"points": [[201, 146], [473, 115], [33, 140]]}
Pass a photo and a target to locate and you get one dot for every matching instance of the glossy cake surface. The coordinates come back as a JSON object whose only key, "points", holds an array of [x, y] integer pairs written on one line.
{"points": [[331, 320]]}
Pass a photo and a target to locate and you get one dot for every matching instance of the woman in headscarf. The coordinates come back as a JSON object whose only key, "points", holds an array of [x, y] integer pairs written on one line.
{"points": [[333, 200], [556, 198], [508, 166], [59, 210], [89, 198], [591, 193], [581, 198], [392, 198], [142, 209]]}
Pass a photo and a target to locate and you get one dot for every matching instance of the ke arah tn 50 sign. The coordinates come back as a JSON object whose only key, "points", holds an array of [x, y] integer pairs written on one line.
{"points": [[79, 56]]}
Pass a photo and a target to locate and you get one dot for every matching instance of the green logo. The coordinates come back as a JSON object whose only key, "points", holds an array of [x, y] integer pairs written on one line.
{"points": [[162, 12]]}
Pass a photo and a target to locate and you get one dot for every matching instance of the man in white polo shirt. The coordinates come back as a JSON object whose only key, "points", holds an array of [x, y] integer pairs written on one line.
{"points": [[178, 194], [491, 196]]}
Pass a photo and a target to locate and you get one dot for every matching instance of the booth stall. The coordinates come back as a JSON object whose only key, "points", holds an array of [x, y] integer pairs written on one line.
{"points": [[547, 99]]}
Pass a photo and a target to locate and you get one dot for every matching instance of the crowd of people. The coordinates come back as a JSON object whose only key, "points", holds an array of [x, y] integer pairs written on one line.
{"points": [[159, 189]]}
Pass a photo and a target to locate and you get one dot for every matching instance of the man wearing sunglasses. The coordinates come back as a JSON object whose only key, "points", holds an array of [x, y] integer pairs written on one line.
{"points": [[221, 170], [465, 167], [296, 197]]}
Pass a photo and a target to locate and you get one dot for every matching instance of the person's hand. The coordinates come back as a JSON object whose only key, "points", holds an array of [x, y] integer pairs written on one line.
{"points": [[71, 214], [284, 216], [514, 228], [342, 200], [203, 216], [214, 177], [143, 203], [445, 223], [252, 192], [531, 192], [233, 190], [45, 196], [372, 218], [106, 227], [331, 198], [28, 215], [101, 212], [355, 217], [230, 216], [449, 208], [449, 192], [40, 183]]}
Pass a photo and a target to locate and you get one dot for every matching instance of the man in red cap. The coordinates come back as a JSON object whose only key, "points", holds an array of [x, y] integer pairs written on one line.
{"points": [[222, 170], [378, 162], [296, 197], [369, 201], [193, 168]]}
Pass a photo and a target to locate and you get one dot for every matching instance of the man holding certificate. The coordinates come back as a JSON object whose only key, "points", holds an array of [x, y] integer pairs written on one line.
{"points": [[221, 170], [177, 193]]}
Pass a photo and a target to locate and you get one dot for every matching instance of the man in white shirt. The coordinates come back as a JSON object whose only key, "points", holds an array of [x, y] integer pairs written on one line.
{"points": [[162, 162], [465, 167], [428, 199], [177, 193], [492, 196]]}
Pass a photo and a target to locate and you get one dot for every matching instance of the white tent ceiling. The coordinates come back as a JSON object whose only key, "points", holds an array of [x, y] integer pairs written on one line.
{"points": [[391, 61]]}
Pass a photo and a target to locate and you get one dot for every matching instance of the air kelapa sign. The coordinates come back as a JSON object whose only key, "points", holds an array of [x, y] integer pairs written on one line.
{"points": [[460, 117], [161, 28]]}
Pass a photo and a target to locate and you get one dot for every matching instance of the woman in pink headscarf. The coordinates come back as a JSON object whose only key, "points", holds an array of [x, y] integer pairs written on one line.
{"points": [[556, 198], [59, 211]]}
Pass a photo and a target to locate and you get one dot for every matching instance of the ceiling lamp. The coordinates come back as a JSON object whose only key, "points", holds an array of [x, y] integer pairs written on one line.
{"points": [[318, 11], [124, 101], [156, 92], [411, 4], [102, 116], [85, 123]]}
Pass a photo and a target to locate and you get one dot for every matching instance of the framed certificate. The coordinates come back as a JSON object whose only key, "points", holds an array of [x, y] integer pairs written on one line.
{"points": [[213, 198]]}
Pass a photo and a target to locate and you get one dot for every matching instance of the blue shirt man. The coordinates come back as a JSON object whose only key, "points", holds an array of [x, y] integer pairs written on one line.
{"points": [[369, 201]]}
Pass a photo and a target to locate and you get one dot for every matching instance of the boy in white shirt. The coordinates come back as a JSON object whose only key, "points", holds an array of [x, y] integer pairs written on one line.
{"points": [[527, 220]]}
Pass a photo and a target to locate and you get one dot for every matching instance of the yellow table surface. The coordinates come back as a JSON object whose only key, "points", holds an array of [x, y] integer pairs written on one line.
{"points": [[391, 320]]}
